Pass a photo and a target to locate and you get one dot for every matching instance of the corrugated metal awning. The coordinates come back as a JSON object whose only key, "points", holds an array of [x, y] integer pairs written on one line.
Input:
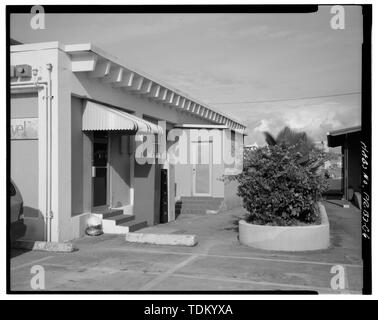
{"points": [[100, 117]]}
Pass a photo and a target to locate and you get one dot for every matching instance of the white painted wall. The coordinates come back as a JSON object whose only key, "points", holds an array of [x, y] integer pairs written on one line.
{"points": [[64, 85], [48, 53], [184, 175]]}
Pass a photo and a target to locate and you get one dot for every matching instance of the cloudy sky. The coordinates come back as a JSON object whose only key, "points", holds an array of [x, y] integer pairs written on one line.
{"points": [[222, 59]]}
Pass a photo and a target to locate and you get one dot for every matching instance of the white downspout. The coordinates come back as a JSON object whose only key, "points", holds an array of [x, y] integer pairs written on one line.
{"points": [[49, 153]]}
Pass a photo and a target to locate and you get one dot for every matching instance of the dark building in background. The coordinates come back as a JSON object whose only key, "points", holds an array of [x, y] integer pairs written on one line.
{"points": [[349, 141]]}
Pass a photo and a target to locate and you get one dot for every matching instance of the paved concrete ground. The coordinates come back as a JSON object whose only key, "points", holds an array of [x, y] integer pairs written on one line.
{"points": [[218, 262]]}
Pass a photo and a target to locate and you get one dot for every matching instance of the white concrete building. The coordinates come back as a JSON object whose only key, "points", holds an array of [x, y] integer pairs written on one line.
{"points": [[75, 111]]}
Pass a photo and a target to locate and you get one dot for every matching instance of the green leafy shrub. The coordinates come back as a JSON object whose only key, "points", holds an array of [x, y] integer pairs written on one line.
{"points": [[278, 187]]}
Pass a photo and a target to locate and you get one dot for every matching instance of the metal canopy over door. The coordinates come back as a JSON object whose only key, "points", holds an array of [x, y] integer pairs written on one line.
{"points": [[100, 119], [100, 168], [202, 168]]}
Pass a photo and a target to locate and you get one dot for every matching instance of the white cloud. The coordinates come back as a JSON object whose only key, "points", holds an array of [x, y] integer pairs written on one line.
{"points": [[315, 118], [265, 125]]}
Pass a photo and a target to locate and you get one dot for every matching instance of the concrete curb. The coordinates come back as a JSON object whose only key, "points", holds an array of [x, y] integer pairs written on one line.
{"points": [[188, 240], [44, 246], [287, 238]]}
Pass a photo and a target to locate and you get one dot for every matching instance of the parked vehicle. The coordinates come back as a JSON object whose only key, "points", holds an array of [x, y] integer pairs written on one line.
{"points": [[18, 227]]}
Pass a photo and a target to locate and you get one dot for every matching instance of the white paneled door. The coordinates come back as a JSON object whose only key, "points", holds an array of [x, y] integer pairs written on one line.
{"points": [[202, 167]]}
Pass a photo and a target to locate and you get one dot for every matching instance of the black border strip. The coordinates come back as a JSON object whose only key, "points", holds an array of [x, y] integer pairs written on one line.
{"points": [[198, 9], [179, 8], [366, 125]]}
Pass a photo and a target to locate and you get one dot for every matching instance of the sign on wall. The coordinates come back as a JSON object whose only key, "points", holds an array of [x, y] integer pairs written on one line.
{"points": [[24, 129]]}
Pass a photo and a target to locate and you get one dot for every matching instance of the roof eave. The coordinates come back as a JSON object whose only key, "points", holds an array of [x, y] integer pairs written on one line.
{"points": [[88, 58], [336, 138]]}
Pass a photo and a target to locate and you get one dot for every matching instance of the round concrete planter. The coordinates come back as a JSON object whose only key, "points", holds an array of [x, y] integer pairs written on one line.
{"points": [[296, 238]]}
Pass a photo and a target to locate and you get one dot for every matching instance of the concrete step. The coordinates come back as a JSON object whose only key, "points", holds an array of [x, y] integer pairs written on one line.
{"points": [[114, 221], [202, 203], [112, 213], [196, 211], [112, 224], [134, 225], [200, 200], [107, 213], [126, 227], [199, 206], [120, 218]]}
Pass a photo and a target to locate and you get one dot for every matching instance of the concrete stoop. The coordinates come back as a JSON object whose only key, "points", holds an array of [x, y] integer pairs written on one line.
{"points": [[199, 205], [114, 221]]}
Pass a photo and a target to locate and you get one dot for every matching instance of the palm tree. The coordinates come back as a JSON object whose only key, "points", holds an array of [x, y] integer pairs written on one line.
{"points": [[288, 137], [300, 142]]}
